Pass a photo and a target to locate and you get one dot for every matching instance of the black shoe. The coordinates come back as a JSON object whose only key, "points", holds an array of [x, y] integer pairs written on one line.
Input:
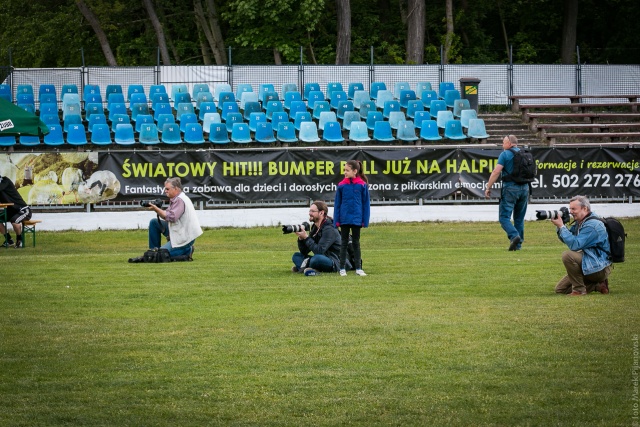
{"points": [[8, 241], [513, 246], [19, 244]]}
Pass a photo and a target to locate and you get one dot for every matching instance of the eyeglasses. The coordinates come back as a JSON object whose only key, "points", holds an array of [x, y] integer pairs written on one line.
{"points": [[312, 211], [167, 188]]}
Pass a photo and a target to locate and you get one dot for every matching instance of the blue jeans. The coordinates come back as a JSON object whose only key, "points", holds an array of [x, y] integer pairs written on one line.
{"points": [[317, 262], [159, 228], [513, 201]]}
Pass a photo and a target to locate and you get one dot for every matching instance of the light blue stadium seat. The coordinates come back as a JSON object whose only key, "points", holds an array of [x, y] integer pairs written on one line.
{"points": [[334, 87], [436, 106], [406, 131], [264, 89], [477, 129], [419, 117], [193, 134], [206, 108], [453, 130], [248, 97], [277, 117], [365, 107], [308, 132], [149, 134], [159, 98], [372, 118], [240, 134], [332, 132], [187, 108], [390, 106], [286, 132], [162, 119], [264, 133], [255, 119], [382, 131], [314, 97], [297, 107], [421, 87], [353, 88], [171, 134], [143, 119], [308, 88], [413, 106], [320, 107], [101, 134], [443, 87], [186, 120], [466, 116], [244, 88], [209, 119], [95, 119], [220, 88], [251, 107], [71, 119], [300, 117], [50, 119], [405, 97], [359, 97], [359, 132], [375, 88], [343, 107], [384, 96], [227, 108], [203, 97], [29, 141], [450, 97], [70, 99], [349, 118], [290, 97], [443, 117], [429, 131], [119, 119], [399, 87], [459, 105], [48, 108], [428, 96], [179, 88], [233, 118], [76, 135], [139, 108], [7, 141], [199, 88], [162, 109], [273, 106], [124, 134], [395, 117], [289, 87], [218, 134], [5, 92], [55, 136], [325, 117]]}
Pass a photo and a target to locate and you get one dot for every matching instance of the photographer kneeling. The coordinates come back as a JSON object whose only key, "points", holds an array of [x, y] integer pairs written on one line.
{"points": [[587, 260], [323, 239], [179, 223]]}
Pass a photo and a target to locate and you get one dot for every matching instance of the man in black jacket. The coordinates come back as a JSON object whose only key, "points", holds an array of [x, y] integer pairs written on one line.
{"points": [[16, 213], [323, 240]]}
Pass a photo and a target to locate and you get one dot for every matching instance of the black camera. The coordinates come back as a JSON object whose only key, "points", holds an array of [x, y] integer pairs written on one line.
{"points": [[563, 213], [286, 229], [147, 203]]}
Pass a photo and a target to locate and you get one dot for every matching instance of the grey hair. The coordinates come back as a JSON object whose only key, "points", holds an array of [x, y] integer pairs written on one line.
{"points": [[174, 182], [512, 139], [582, 201]]}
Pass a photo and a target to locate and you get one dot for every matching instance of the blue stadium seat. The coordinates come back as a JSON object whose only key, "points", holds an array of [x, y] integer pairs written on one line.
{"points": [[24, 88], [159, 98], [273, 106], [264, 133], [209, 119], [277, 117], [405, 97], [308, 88], [76, 135], [31, 108], [264, 89], [390, 106], [226, 108], [443, 87], [372, 118], [289, 87], [7, 141], [325, 117], [375, 88], [199, 88], [395, 117], [91, 93], [134, 88], [139, 108], [26, 98], [162, 108], [349, 118], [101, 134], [149, 134], [428, 96], [413, 106], [450, 96], [181, 98], [95, 119], [50, 119], [114, 98], [240, 133], [250, 108], [290, 97], [308, 132], [297, 107], [286, 132], [113, 88], [301, 117], [459, 105], [185, 108], [269, 96], [233, 118], [383, 97], [453, 130], [419, 117], [466, 116], [319, 107], [359, 132], [71, 119], [477, 129], [365, 107], [138, 98], [436, 106], [332, 132], [248, 97], [360, 97], [218, 134], [70, 99], [255, 119], [220, 88], [429, 131], [124, 134], [399, 87], [29, 141], [206, 108], [171, 134], [421, 87], [334, 87], [178, 88], [382, 132], [343, 107], [119, 119], [443, 117], [93, 108], [68, 88], [55, 136], [162, 119], [143, 119], [244, 88], [193, 134], [353, 88], [186, 120], [48, 108], [5, 92], [47, 98], [406, 131], [203, 97], [153, 89], [117, 108], [225, 97]]}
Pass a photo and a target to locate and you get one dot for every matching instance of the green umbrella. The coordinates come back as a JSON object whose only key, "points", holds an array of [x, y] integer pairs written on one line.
{"points": [[14, 121]]}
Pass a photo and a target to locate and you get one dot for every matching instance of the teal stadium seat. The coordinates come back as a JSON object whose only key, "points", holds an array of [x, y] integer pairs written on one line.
{"points": [[124, 134], [353, 87], [255, 119], [477, 129], [453, 130], [218, 134], [286, 132], [382, 132], [171, 134], [55, 136], [264, 133], [332, 132], [149, 134], [193, 134], [375, 88], [76, 135], [101, 134], [430, 131], [308, 132], [359, 132], [407, 131], [241, 134]]}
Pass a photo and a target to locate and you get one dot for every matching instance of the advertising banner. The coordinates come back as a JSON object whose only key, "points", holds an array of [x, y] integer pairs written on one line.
{"points": [[284, 175]]}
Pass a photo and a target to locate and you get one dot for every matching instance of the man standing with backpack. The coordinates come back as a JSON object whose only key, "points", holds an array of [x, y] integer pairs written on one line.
{"points": [[587, 261], [517, 172]]}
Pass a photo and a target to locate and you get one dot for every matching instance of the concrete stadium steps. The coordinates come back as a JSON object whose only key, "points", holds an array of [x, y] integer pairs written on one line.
{"points": [[498, 125]]}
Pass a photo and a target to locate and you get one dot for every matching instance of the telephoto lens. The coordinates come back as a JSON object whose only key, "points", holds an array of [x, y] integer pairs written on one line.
{"points": [[287, 229]]}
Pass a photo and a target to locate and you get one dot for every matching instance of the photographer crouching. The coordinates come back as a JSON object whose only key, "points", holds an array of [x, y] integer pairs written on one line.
{"points": [[178, 223], [587, 260], [322, 239]]}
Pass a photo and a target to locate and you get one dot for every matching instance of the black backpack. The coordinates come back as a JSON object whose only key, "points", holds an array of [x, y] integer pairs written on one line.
{"points": [[524, 167], [617, 237]]}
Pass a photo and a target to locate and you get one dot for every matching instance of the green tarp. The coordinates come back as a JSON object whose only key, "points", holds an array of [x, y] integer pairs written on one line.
{"points": [[14, 121]]}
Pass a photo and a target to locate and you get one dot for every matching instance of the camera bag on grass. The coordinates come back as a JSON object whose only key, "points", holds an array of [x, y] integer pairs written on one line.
{"points": [[617, 237], [157, 255]]}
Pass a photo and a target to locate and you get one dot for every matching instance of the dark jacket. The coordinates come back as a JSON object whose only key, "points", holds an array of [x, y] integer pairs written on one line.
{"points": [[352, 204], [325, 241]]}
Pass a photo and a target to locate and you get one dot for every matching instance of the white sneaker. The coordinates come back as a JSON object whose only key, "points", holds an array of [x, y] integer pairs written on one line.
{"points": [[361, 273], [304, 264], [343, 272]]}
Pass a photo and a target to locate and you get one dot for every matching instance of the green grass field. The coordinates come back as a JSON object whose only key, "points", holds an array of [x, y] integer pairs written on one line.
{"points": [[448, 329]]}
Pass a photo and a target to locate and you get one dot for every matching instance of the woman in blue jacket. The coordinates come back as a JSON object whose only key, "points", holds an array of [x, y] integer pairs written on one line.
{"points": [[351, 212]]}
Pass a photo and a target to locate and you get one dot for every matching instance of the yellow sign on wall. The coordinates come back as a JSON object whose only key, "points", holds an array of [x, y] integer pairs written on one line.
{"points": [[471, 90]]}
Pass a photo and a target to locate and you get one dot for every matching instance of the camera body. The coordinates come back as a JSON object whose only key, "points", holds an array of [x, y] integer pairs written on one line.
{"points": [[287, 229], [563, 213], [147, 203]]}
